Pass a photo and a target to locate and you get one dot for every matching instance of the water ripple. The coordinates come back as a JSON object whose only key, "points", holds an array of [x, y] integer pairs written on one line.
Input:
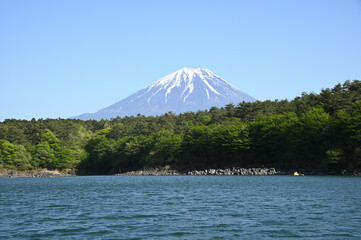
{"points": [[181, 207]]}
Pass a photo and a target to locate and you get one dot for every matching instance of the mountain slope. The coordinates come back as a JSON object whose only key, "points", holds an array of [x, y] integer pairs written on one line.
{"points": [[188, 89]]}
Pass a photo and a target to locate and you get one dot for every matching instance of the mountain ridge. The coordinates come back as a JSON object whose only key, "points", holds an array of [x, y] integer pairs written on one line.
{"points": [[188, 89]]}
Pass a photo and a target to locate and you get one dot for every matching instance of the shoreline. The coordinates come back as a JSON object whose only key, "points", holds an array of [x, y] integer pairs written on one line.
{"points": [[239, 171], [7, 173]]}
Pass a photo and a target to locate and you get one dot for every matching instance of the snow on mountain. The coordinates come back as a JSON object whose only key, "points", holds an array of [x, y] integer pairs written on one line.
{"points": [[188, 89]]}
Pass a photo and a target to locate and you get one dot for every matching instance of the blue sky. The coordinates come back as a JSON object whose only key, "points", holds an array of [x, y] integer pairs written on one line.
{"points": [[65, 58]]}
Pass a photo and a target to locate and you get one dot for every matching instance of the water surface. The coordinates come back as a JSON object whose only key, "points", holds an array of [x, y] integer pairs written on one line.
{"points": [[181, 207]]}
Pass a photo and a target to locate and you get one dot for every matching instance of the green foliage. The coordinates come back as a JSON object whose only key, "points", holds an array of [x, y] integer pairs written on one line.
{"points": [[14, 156], [311, 131], [273, 140], [214, 145], [44, 156], [163, 148]]}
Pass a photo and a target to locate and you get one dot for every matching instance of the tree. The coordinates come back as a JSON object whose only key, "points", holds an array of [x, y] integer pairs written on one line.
{"points": [[47, 150], [13, 156]]}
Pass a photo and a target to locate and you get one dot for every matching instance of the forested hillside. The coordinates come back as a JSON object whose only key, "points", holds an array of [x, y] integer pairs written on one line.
{"points": [[321, 131]]}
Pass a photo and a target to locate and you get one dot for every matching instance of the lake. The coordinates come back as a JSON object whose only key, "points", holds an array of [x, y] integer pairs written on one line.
{"points": [[181, 207]]}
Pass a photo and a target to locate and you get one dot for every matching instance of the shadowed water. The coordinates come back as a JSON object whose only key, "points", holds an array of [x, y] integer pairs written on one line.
{"points": [[181, 207]]}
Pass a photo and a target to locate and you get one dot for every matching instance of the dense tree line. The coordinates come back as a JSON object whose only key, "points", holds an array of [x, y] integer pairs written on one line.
{"points": [[311, 131]]}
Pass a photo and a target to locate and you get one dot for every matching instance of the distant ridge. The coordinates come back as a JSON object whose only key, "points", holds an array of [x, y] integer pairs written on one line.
{"points": [[188, 89]]}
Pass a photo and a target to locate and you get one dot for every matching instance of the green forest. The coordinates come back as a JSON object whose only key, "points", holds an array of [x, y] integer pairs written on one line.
{"points": [[312, 131]]}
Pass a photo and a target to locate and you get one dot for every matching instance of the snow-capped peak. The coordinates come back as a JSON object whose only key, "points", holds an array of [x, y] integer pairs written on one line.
{"points": [[188, 89], [186, 77]]}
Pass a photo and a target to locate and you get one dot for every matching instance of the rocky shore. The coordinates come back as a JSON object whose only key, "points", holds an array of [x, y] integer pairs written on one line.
{"points": [[5, 173], [238, 171], [34, 173], [228, 171]]}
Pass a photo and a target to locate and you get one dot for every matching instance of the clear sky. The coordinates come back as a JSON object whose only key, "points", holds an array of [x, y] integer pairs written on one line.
{"points": [[64, 58]]}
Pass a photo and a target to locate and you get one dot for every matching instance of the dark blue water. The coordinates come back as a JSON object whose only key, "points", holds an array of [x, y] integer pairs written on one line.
{"points": [[181, 207]]}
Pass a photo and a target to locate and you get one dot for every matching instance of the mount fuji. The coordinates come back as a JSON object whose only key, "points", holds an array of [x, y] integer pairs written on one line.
{"points": [[188, 89]]}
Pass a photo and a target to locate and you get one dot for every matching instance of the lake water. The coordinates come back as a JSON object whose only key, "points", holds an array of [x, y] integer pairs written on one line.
{"points": [[181, 207]]}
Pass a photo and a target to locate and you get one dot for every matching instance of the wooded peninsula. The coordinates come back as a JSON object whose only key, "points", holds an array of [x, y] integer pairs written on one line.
{"points": [[313, 131]]}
